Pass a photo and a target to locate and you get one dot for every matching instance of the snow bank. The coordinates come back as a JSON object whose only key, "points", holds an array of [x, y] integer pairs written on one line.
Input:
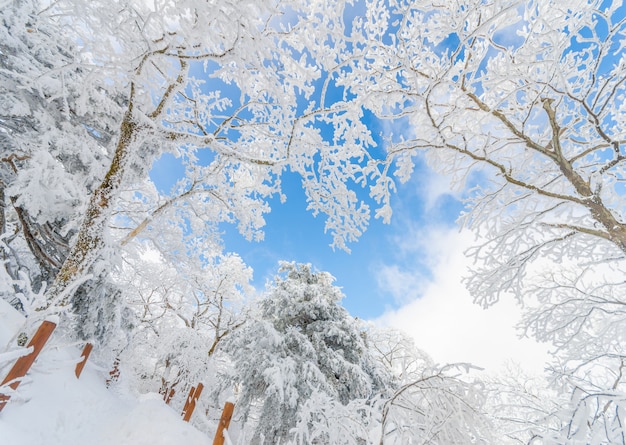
{"points": [[52, 407], [11, 321]]}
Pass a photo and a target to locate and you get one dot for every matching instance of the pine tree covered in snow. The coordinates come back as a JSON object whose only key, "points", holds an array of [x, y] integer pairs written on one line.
{"points": [[302, 346]]}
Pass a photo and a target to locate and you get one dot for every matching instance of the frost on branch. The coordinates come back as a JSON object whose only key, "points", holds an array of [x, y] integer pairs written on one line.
{"points": [[525, 101]]}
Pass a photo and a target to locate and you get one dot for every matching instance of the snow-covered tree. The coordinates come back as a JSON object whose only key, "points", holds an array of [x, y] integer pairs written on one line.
{"points": [[397, 353], [303, 348], [442, 406], [523, 408], [429, 403], [55, 136], [183, 312], [525, 101], [219, 85]]}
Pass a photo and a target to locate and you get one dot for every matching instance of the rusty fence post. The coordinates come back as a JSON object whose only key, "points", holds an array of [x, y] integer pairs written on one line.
{"points": [[227, 414], [190, 404], [23, 364], [84, 356]]}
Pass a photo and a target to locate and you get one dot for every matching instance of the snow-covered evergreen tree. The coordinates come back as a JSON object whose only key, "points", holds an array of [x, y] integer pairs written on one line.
{"points": [[302, 346]]}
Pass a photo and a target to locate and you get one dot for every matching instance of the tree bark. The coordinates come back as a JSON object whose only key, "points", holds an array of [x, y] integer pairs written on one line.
{"points": [[89, 241]]}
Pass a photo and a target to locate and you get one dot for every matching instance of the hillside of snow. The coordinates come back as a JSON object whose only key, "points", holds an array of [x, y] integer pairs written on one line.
{"points": [[53, 407]]}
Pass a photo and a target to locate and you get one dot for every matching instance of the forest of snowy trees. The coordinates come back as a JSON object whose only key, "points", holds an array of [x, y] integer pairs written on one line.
{"points": [[521, 103]]}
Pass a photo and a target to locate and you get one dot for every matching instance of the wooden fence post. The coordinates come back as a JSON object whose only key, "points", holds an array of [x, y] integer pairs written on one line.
{"points": [[114, 374], [190, 404], [23, 364], [168, 396], [227, 414], [84, 356]]}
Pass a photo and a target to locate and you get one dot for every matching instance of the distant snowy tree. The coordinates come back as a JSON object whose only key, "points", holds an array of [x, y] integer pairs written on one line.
{"points": [[524, 408], [303, 349], [397, 353], [182, 312], [429, 403], [442, 406]]}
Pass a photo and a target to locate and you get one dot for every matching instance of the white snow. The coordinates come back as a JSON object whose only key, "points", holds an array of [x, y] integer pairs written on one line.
{"points": [[10, 323], [13, 354], [53, 407]]}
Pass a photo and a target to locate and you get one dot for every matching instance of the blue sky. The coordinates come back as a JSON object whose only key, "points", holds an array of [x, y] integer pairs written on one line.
{"points": [[293, 234]]}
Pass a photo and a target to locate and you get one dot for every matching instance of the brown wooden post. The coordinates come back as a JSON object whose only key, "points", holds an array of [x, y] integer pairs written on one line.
{"points": [[84, 356], [227, 414], [114, 374], [190, 404], [168, 395], [23, 364]]}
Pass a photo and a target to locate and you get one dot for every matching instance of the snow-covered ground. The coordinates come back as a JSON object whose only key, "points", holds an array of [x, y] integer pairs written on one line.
{"points": [[53, 407]]}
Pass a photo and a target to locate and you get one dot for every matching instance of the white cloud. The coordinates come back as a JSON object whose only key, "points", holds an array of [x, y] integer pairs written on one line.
{"points": [[435, 186], [404, 286], [440, 315]]}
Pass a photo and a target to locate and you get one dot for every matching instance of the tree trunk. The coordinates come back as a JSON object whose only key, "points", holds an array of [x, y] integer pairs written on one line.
{"points": [[89, 241]]}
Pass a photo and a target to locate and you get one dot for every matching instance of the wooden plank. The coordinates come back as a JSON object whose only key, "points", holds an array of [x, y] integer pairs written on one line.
{"points": [[84, 356], [227, 414], [23, 364], [190, 404]]}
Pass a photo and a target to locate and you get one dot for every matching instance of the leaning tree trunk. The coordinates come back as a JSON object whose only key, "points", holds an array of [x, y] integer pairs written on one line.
{"points": [[89, 240]]}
